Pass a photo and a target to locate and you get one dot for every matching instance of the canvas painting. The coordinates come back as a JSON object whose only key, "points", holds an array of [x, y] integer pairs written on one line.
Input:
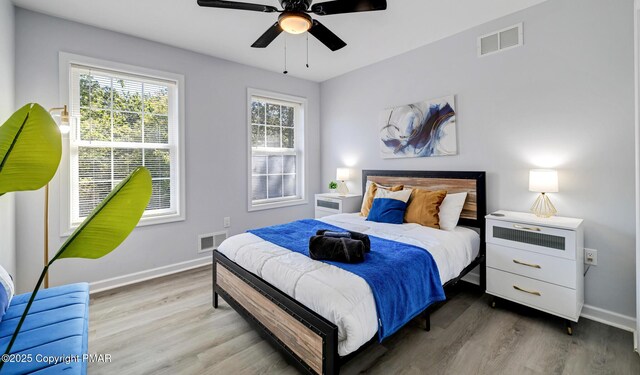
{"points": [[419, 130]]}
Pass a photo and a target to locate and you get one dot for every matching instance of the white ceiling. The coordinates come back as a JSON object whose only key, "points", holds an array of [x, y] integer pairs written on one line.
{"points": [[228, 34]]}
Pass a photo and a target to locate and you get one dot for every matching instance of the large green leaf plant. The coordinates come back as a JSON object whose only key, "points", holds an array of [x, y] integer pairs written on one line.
{"points": [[30, 152], [30, 149]]}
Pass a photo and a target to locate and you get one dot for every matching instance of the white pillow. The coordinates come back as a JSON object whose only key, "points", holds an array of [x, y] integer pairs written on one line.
{"points": [[450, 210], [402, 195], [6, 282]]}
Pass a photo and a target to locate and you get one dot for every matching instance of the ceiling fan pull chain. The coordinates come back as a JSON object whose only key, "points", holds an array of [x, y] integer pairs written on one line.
{"points": [[285, 55], [307, 50]]}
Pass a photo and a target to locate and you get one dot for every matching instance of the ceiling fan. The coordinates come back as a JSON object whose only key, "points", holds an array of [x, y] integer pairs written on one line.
{"points": [[294, 17]]}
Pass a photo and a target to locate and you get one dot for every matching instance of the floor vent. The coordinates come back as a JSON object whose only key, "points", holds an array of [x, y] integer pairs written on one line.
{"points": [[211, 241], [501, 40]]}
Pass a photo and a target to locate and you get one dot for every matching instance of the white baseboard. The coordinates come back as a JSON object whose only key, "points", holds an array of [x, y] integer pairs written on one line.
{"points": [[627, 323], [137, 277], [597, 314]]}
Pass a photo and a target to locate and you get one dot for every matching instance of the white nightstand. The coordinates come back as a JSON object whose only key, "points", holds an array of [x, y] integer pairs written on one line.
{"points": [[537, 262], [331, 204]]}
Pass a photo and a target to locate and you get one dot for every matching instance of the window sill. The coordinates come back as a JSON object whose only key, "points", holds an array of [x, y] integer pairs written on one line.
{"points": [[145, 221], [272, 205]]}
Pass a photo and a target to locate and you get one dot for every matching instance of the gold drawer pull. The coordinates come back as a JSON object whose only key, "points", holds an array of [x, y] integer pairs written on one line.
{"points": [[534, 229], [526, 264], [527, 291]]}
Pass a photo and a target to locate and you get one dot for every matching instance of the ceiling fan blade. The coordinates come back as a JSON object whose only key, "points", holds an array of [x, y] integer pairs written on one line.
{"points": [[237, 5], [347, 6], [269, 36], [326, 36]]}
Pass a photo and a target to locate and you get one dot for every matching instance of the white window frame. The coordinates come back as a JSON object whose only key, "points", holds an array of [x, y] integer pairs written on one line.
{"points": [[300, 142], [66, 61]]}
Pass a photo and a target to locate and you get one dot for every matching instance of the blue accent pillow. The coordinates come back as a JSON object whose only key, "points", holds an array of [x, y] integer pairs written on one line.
{"points": [[387, 210]]}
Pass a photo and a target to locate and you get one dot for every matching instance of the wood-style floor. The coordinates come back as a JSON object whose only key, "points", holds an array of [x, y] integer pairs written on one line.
{"points": [[167, 326]]}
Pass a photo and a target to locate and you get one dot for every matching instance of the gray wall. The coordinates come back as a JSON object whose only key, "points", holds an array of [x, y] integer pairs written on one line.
{"points": [[216, 157], [564, 100], [7, 202]]}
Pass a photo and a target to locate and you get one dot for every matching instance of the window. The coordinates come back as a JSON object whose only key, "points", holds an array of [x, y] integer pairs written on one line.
{"points": [[276, 171], [122, 120]]}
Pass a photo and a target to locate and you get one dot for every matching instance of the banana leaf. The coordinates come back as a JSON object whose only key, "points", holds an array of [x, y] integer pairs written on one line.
{"points": [[112, 221], [30, 149], [102, 231]]}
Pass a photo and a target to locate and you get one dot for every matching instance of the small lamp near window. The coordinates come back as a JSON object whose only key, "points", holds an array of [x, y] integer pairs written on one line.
{"points": [[543, 181], [342, 175], [64, 118]]}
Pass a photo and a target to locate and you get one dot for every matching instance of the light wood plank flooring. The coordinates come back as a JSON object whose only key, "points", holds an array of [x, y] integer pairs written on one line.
{"points": [[167, 326]]}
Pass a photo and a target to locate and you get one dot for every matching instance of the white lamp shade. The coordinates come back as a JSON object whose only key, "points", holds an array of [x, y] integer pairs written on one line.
{"points": [[342, 174], [543, 180]]}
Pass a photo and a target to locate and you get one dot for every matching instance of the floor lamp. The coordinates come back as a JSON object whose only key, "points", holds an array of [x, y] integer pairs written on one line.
{"points": [[64, 128]]}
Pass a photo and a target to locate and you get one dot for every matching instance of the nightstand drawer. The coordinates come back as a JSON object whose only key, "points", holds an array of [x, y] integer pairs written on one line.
{"points": [[329, 204], [332, 204], [533, 293], [537, 266], [544, 240]]}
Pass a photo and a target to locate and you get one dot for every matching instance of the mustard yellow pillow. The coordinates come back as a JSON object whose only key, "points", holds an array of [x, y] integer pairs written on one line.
{"points": [[424, 206], [367, 201]]}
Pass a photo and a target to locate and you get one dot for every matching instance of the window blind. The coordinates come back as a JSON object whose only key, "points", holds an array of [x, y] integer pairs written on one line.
{"points": [[122, 121], [274, 150]]}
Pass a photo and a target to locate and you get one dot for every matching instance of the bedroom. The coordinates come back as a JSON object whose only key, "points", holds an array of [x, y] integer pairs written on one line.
{"points": [[563, 100]]}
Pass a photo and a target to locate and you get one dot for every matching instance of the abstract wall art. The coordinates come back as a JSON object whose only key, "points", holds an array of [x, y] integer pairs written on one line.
{"points": [[418, 130]]}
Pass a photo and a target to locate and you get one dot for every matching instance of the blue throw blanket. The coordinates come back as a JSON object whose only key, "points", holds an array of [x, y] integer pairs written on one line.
{"points": [[404, 278]]}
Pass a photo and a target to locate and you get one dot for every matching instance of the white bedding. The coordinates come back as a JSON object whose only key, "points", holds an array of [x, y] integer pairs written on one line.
{"points": [[338, 295]]}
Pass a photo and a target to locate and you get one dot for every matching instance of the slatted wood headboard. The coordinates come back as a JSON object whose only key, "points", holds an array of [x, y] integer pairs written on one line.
{"points": [[473, 183]]}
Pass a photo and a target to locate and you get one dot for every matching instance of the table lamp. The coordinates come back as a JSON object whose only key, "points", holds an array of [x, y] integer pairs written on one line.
{"points": [[543, 181], [342, 174]]}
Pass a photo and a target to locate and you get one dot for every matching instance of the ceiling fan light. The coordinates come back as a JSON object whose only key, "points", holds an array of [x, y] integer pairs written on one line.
{"points": [[295, 23]]}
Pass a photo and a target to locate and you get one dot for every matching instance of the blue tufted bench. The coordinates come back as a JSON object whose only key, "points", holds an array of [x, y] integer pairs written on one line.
{"points": [[56, 329]]}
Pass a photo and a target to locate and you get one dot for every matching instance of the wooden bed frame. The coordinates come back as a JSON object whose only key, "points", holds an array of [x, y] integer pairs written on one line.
{"points": [[306, 338]]}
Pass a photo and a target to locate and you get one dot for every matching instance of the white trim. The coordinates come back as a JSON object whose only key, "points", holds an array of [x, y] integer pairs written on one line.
{"points": [[597, 314], [519, 26], [627, 323], [66, 60], [284, 203], [138, 277], [636, 38], [624, 322], [300, 135]]}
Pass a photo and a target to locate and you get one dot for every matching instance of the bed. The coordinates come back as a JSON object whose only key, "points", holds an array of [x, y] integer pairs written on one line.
{"points": [[321, 316]]}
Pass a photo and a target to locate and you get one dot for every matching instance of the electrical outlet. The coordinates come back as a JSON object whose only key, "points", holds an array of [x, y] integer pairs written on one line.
{"points": [[591, 256], [227, 222]]}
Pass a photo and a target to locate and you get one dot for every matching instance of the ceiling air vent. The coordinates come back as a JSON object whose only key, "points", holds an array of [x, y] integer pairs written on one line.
{"points": [[211, 241], [500, 40]]}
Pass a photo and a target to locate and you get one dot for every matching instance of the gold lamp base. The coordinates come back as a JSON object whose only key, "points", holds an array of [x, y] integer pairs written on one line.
{"points": [[342, 188], [543, 207]]}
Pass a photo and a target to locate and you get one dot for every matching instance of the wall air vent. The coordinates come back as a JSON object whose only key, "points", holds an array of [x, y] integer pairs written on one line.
{"points": [[501, 40], [211, 241]]}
